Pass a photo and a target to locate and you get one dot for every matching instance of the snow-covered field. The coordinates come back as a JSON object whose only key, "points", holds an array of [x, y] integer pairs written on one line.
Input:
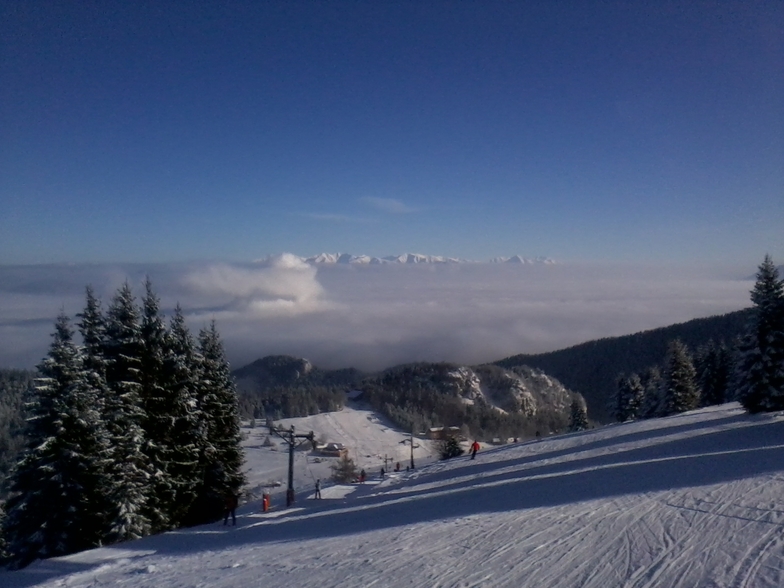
{"points": [[691, 500]]}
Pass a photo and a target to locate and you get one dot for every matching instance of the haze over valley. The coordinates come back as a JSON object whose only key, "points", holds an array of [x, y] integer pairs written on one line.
{"points": [[375, 316]]}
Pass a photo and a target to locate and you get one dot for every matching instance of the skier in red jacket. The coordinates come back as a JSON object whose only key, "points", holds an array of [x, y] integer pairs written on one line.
{"points": [[474, 448]]}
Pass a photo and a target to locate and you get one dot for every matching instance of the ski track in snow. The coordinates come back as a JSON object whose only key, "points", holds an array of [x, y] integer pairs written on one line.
{"points": [[687, 501]]}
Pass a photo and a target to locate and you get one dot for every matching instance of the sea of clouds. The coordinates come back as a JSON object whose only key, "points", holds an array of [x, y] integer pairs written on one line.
{"points": [[371, 317]]}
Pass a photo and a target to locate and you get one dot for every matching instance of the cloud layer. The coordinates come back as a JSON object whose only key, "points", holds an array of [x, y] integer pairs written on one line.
{"points": [[283, 286], [376, 316]]}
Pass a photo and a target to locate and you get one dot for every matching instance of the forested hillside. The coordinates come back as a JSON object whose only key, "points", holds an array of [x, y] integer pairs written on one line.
{"points": [[485, 401], [592, 368], [280, 386]]}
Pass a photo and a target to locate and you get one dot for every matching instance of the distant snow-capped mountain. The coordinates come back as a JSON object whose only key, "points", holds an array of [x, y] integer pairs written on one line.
{"points": [[523, 260], [413, 258]]}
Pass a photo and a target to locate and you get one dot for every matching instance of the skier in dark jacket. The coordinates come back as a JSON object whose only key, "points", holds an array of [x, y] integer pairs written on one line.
{"points": [[318, 489], [231, 502]]}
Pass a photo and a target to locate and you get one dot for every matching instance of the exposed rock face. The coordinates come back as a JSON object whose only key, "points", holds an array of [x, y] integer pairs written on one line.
{"points": [[520, 390]]}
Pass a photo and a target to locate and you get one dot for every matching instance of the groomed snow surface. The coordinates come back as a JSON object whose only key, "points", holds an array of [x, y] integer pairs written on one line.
{"points": [[685, 501]]}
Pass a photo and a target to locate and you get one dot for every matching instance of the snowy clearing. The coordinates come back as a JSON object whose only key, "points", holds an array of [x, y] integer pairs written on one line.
{"points": [[689, 500]]}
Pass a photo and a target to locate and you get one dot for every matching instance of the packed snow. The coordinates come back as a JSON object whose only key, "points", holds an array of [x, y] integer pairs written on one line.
{"points": [[689, 500]]}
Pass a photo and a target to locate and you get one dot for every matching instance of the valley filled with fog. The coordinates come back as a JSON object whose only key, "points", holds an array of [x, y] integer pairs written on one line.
{"points": [[376, 316]]}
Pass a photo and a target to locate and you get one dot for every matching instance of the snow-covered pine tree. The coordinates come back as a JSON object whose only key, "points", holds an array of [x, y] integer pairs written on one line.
{"points": [[447, 449], [713, 364], [56, 505], [578, 419], [220, 458], [157, 419], [628, 398], [760, 369], [679, 385], [184, 436], [92, 328], [124, 417], [617, 399], [636, 395], [652, 399]]}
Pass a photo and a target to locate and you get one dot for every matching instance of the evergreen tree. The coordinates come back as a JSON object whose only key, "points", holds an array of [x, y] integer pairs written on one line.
{"points": [[58, 488], [157, 405], [125, 417], [183, 437], [652, 399], [92, 328], [578, 419], [449, 448], [345, 470], [220, 456], [714, 369], [628, 398], [679, 386], [760, 376]]}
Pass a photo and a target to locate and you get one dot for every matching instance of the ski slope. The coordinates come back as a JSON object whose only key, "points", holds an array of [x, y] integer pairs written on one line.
{"points": [[368, 437], [691, 500]]}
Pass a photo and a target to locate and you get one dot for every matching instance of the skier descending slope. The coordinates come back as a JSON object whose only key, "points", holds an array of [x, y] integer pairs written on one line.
{"points": [[474, 448]]}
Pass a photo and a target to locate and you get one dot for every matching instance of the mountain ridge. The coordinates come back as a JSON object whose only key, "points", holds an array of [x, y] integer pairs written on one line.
{"points": [[407, 259]]}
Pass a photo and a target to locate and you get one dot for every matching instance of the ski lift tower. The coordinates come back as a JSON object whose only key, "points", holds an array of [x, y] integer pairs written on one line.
{"points": [[413, 446], [290, 437]]}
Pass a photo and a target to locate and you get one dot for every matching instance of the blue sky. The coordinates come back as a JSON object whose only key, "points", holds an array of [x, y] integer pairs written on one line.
{"points": [[170, 131]]}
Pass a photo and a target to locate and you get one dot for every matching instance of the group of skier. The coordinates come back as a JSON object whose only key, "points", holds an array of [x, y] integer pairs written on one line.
{"points": [[231, 499]]}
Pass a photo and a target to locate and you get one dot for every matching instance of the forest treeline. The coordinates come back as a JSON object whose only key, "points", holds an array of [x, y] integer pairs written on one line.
{"points": [[131, 429], [592, 368], [750, 369]]}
